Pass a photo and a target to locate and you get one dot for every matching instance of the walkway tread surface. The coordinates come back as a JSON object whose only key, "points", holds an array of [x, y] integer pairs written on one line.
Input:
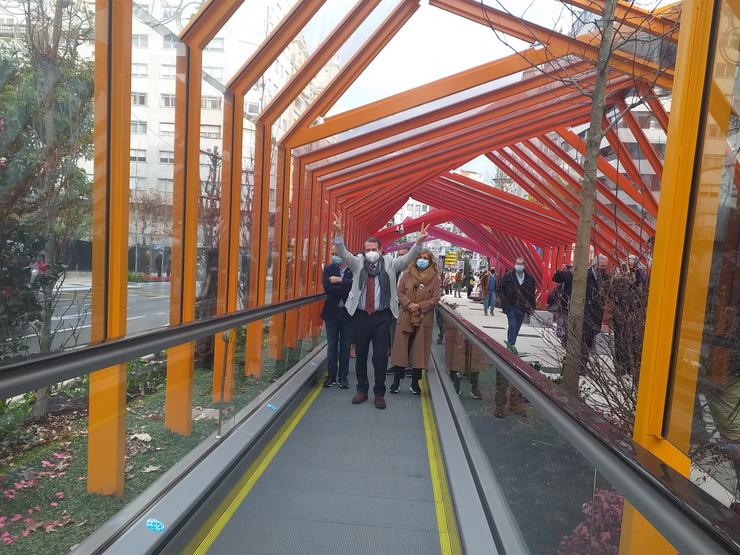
{"points": [[349, 480]]}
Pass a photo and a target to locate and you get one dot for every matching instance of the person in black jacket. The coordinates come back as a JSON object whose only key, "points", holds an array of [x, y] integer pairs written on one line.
{"points": [[517, 299], [337, 279], [517, 294], [597, 280], [563, 277]]}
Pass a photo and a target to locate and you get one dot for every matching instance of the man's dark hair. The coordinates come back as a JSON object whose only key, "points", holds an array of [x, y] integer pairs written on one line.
{"points": [[373, 240]]}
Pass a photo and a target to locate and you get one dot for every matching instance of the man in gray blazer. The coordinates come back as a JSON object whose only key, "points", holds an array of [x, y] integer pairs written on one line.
{"points": [[373, 303]]}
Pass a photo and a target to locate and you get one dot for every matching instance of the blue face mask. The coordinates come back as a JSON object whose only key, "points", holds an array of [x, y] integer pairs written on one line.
{"points": [[422, 263], [336, 260]]}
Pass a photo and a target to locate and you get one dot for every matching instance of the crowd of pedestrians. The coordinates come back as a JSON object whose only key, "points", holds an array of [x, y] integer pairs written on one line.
{"points": [[376, 299]]}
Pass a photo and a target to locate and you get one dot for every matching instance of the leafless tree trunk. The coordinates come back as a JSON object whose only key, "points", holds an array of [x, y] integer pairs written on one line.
{"points": [[573, 356]]}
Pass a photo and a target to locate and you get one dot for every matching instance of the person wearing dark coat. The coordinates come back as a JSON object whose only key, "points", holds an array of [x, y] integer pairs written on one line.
{"points": [[597, 279], [628, 295], [337, 280], [564, 278], [517, 293]]}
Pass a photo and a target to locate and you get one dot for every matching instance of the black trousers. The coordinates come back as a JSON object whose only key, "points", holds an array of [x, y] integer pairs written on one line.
{"points": [[338, 339], [373, 328]]}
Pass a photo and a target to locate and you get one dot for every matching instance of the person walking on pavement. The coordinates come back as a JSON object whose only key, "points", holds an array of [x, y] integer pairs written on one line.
{"points": [[597, 279], [564, 277], [517, 300], [458, 283], [337, 280], [448, 283], [418, 292], [470, 283], [517, 294], [488, 290], [373, 302]]}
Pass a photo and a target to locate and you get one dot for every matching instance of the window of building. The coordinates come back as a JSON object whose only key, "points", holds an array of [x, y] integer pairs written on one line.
{"points": [[138, 127], [166, 156], [252, 108], [167, 71], [210, 131], [138, 155], [216, 72], [165, 184], [167, 100], [211, 102], [216, 45], [140, 41], [137, 182], [168, 12], [139, 70], [166, 128], [169, 42], [138, 99]]}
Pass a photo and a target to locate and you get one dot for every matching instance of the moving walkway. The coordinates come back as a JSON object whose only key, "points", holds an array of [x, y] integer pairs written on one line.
{"points": [[298, 469]]}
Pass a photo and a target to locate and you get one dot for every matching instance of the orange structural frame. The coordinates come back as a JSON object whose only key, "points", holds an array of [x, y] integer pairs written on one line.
{"points": [[366, 162]]}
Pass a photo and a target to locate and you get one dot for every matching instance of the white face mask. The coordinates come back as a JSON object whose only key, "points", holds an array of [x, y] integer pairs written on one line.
{"points": [[372, 256], [519, 268]]}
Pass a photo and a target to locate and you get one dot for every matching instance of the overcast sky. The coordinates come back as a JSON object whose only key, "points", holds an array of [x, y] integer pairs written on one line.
{"points": [[433, 44]]}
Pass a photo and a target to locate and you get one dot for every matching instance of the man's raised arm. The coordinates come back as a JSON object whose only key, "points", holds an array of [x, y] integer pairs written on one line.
{"points": [[349, 259], [402, 261]]}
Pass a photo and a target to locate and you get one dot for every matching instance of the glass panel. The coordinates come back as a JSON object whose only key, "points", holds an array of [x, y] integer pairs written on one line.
{"points": [[46, 166], [559, 501], [397, 67], [423, 109], [703, 416], [44, 503], [152, 170], [296, 54], [209, 203]]}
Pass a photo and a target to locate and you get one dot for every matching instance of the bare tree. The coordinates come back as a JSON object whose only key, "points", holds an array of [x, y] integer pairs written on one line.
{"points": [[621, 41]]}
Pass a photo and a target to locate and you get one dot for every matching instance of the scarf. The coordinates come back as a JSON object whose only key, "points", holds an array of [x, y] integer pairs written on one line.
{"points": [[378, 271]]}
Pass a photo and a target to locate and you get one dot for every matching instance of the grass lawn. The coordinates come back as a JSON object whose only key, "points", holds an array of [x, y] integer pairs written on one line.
{"points": [[44, 505]]}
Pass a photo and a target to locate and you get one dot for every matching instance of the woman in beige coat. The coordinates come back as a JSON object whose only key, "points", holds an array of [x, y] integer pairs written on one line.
{"points": [[419, 291]]}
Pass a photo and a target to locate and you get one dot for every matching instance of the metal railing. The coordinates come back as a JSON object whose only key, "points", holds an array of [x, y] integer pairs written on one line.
{"points": [[686, 516], [54, 368]]}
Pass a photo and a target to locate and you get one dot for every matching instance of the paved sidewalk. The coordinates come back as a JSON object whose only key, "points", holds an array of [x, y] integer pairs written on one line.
{"points": [[535, 342]]}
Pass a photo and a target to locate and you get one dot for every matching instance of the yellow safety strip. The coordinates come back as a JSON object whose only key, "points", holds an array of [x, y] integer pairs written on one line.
{"points": [[449, 537], [256, 470]]}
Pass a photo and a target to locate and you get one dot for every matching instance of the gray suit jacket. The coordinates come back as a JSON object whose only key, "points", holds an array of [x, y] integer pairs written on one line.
{"points": [[393, 266]]}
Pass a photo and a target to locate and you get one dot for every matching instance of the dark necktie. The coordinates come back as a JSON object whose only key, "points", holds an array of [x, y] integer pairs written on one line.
{"points": [[370, 295]]}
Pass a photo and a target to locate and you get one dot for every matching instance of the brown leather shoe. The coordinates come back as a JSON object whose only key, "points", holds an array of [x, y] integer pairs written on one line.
{"points": [[359, 397], [379, 402], [519, 411]]}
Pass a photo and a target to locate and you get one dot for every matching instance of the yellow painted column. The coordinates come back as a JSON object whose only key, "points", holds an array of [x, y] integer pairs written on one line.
{"points": [[107, 395], [186, 191], [638, 535]]}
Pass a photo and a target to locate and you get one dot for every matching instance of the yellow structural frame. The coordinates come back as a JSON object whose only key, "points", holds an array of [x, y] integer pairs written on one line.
{"points": [[112, 98], [684, 136], [306, 198]]}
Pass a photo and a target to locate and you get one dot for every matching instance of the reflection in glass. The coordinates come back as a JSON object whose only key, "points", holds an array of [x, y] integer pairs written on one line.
{"points": [[704, 415], [559, 501], [46, 106], [152, 169], [44, 503]]}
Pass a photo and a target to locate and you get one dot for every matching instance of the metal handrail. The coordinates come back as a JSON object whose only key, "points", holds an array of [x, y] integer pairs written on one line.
{"points": [[688, 517], [53, 368]]}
